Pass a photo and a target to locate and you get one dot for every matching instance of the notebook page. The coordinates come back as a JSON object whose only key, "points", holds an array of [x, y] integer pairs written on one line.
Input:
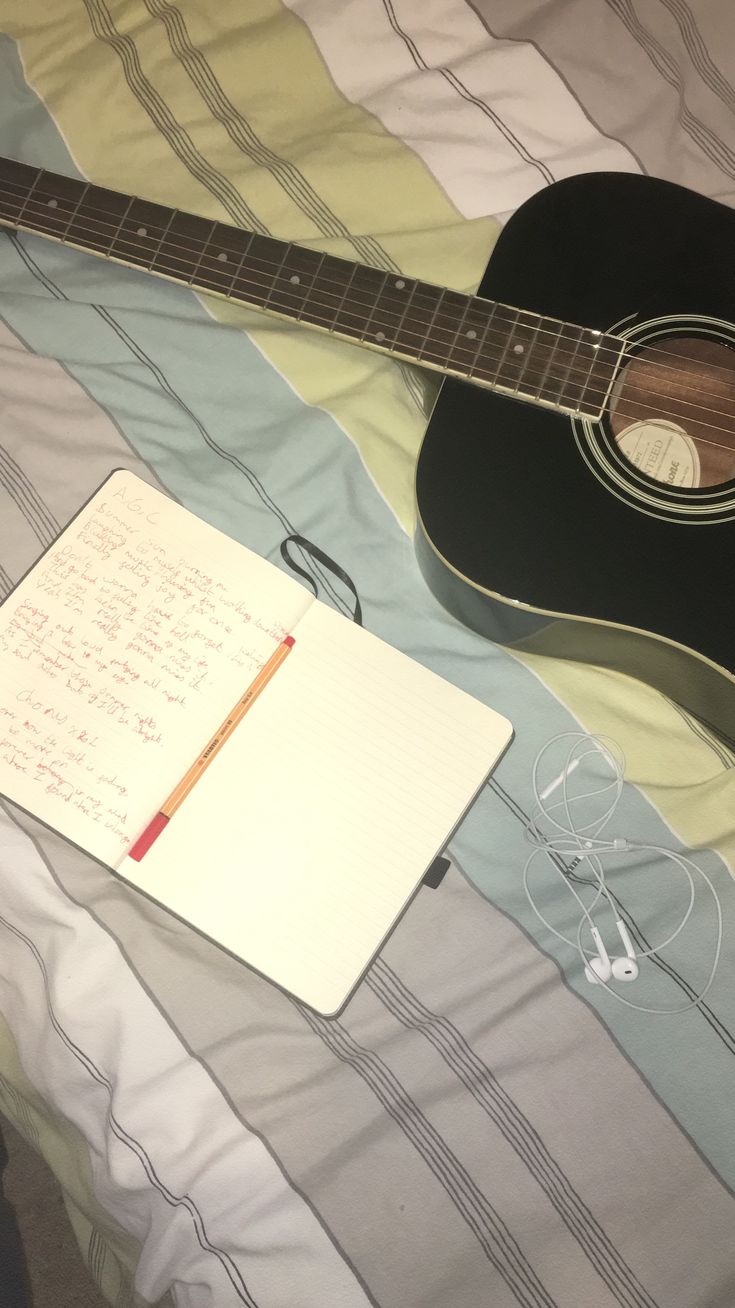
{"points": [[303, 841], [120, 654]]}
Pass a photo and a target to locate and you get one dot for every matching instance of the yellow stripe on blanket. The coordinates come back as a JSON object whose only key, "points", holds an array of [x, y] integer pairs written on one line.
{"points": [[230, 111]]}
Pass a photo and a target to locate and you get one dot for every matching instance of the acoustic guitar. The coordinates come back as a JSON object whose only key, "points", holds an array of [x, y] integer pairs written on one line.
{"points": [[578, 497]]}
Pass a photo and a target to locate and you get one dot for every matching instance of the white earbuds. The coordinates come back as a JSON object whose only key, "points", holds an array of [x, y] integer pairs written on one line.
{"points": [[625, 969], [598, 968], [566, 843], [604, 968]]}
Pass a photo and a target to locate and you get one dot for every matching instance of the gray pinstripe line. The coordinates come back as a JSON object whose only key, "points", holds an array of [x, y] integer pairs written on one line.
{"points": [[20, 489], [709, 143], [517, 1130], [18, 1109], [39, 517], [243, 135], [163, 120], [27, 499], [543, 54], [699, 54], [720, 750], [181, 143], [38, 273], [498, 1244], [96, 1255], [466, 94]]}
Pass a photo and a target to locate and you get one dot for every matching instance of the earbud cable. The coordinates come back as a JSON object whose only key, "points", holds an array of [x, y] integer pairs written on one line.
{"points": [[586, 844]]}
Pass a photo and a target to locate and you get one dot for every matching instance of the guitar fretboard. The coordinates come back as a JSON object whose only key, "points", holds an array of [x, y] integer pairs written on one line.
{"points": [[524, 354]]}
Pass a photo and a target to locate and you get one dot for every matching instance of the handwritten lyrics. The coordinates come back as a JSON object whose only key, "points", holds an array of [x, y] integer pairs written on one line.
{"points": [[117, 653]]}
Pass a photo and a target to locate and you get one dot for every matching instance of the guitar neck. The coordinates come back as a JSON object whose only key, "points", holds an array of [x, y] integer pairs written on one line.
{"points": [[531, 357]]}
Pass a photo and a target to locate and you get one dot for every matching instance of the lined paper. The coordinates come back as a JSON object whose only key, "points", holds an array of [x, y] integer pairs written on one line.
{"points": [[317, 822], [121, 652]]}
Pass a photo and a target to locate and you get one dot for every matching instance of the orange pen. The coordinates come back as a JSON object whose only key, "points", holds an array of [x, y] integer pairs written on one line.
{"points": [[211, 749]]}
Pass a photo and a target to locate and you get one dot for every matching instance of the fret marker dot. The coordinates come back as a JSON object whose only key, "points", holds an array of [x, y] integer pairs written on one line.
{"points": [[53, 204], [400, 284], [141, 231], [294, 280], [518, 349], [380, 336], [471, 334], [222, 257]]}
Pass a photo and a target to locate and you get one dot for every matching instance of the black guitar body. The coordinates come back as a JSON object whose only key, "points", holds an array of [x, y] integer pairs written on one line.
{"points": [[533, 528], [606, 536]]}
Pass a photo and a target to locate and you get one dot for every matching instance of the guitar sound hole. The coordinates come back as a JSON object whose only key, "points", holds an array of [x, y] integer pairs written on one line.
{"points": [[672, 412]]}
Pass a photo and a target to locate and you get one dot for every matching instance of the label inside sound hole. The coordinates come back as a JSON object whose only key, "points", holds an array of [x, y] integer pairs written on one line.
{"points": [[662, 450]]}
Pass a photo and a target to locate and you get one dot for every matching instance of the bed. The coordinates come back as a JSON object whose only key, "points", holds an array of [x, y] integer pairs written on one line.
{"points": [[479, 1126]]}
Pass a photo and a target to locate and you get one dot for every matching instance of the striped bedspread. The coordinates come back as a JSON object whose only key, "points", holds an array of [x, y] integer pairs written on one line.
{"points": [[480, 1126]]}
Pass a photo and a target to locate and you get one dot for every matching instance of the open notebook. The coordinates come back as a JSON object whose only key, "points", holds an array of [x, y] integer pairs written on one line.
{"points": [[123, 650]]}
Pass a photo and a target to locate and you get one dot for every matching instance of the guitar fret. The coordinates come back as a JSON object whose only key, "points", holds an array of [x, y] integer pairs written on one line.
{"points": [[367, 301], [238, 270], [431, 324], [371, 314], [310, 288], [294, 284], [263, 253], [267, 300], [447, 350], [587, 378], [348, 287], [164, 234], [509, 337], [202, 254], [568, 372], [594, 362], [462, 321], [483, 314], [526, 358], [360, 304], [120, 225], [24, 205], [407, 324], [75, 211], [402, 319], [483, 338], [218, 254], [549, 362]]}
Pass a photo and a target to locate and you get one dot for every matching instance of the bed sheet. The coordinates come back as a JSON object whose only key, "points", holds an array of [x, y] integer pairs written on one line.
{"points": [[479, 1126]]}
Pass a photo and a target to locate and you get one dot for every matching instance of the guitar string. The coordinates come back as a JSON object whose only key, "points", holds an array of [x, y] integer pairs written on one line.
{"points": [[545, 373], [557, 357], [490, 376], [116, 224], [118, 227], [156, 235]]}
